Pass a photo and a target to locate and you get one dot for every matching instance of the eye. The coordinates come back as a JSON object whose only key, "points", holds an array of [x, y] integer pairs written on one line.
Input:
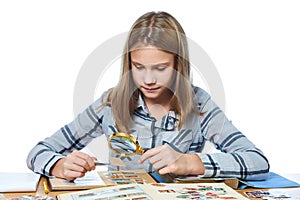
{"points": [[161, 67], [139, 67]]}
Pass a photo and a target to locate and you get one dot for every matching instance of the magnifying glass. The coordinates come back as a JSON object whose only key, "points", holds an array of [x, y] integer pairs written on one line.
{"points": [[124, 144]]}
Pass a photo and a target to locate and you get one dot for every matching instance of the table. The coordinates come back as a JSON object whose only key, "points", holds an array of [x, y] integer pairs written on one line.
{"points": [[40, 189]]}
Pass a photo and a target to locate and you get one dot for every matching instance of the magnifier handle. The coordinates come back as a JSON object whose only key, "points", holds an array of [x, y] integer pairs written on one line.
{"points": [[140, 150]]}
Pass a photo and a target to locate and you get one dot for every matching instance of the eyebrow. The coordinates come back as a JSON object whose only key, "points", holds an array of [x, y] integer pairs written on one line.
{"points": [[155, 65]]}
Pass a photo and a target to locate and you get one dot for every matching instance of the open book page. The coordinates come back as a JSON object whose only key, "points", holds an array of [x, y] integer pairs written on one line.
{"points": [[90, 180], [157, 191], [18, 182]]}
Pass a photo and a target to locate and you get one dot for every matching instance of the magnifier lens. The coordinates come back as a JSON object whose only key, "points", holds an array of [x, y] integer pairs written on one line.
{"points": [[123, 145]]}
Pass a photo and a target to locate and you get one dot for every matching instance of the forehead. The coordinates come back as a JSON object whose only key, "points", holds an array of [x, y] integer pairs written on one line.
{"points": [[151, 55]]}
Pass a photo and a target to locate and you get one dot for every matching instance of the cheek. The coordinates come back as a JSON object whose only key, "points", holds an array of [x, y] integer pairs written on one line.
{"points": [[166, 78], [136, 78]]}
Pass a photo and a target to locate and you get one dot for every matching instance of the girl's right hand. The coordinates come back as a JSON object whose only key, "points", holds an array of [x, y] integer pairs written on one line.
{"points": [[75, 165]]}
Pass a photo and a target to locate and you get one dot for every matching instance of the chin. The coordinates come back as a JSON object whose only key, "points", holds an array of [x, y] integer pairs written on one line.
{"points": [[150, 96]]}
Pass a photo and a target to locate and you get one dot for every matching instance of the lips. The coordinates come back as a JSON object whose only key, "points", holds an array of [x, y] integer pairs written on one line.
{"points": [[151, 89]]}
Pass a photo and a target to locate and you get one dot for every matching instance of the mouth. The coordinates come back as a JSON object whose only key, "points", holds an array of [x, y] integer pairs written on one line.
{"points": [[150, 89]]}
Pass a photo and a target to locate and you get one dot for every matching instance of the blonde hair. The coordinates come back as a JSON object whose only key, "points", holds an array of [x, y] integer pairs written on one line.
{"points": [[161, 30]]}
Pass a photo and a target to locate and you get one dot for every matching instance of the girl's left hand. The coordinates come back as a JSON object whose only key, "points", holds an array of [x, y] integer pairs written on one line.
{"points": [[167, 160]]}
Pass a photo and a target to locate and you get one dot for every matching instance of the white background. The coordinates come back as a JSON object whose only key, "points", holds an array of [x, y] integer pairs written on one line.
{"points": [[255, 46]]}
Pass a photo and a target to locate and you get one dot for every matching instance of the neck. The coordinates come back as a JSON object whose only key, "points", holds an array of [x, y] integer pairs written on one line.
{"points": [[159, 107]]}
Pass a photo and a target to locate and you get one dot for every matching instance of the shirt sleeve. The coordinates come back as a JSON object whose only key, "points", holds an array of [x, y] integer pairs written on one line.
{"points": [[73, 136], [238, 156]]}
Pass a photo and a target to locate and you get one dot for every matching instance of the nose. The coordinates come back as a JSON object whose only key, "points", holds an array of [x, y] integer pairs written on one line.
{"points": [[149, 77]]}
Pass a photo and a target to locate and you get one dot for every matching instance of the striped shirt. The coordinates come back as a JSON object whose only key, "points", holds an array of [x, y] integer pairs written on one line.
{"points": [[236, 157]]}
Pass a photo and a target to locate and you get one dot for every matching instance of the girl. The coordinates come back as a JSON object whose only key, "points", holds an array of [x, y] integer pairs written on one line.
{"points": [[155, 102]]}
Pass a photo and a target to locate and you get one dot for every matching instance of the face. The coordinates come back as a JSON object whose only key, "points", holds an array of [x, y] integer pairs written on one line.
{"points": [[152, 72]]}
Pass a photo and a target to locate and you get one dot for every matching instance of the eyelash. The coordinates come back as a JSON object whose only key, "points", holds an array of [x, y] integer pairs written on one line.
{"points": [[159, 68], [139, 67]]}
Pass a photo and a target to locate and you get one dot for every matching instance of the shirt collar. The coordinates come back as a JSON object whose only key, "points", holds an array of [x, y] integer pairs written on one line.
{"points": [[141, 103], [169, 121]]}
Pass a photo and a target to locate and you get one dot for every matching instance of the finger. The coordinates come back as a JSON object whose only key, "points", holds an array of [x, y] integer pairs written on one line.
{"points": [[83, 160], [165, 170], [91, 163], [150, 153], [159, 165], [175, 168], [164, 155], [155, 159], [69, 165], [72, 175]]}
